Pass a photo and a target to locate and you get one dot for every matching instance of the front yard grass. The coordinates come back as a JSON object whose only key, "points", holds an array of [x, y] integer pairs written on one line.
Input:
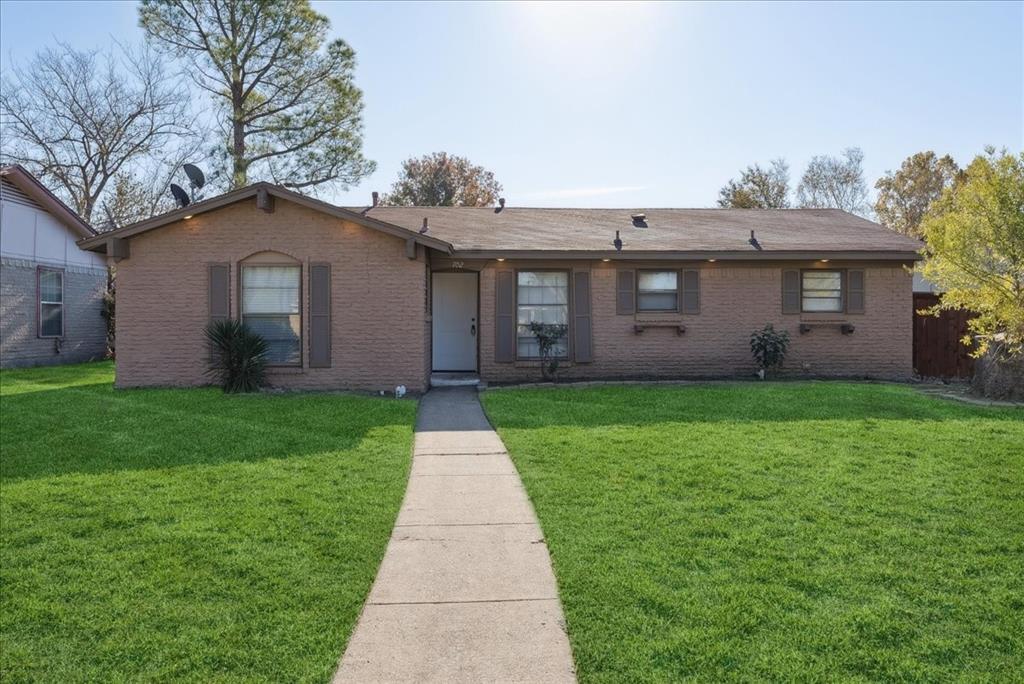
{"points": [[782, 532], [150, 535]]}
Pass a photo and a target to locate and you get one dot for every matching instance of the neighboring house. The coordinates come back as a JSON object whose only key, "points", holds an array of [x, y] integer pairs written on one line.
{"points": [[375, 297], [51, 291], [924, 286]]}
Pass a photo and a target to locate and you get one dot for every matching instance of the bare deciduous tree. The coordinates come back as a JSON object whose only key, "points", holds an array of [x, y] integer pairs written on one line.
{"points": [[78, 120], [835, 183]]}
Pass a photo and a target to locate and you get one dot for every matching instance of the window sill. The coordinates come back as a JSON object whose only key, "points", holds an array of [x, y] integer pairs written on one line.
{"points": [[286, 370], [535, 363], [823, 317], [658, 317]]}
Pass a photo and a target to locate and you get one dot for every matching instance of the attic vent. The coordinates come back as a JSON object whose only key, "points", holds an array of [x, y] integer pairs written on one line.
{"points": [[639, 220], [12, 193]]}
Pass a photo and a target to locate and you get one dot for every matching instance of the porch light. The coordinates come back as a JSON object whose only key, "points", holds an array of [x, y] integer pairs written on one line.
{"points": [[501, 258], [188, 217], [606, 260], [824, 261], [711, 261]]}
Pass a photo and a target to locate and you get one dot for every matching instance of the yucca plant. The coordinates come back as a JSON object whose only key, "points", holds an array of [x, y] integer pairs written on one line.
{"points": [[239, 356]]}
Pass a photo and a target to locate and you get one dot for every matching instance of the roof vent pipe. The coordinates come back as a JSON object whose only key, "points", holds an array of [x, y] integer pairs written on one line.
{"points": [[376, 197], [425, 227], [753, 241], [501, 205]]}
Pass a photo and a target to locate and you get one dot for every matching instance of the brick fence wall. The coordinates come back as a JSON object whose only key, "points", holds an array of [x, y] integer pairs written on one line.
{"points": [[377, 298], [735, 300], [85, 329]]}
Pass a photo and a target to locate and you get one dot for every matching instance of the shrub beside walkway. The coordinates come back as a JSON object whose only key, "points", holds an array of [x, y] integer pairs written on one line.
{"points": [[465, 591]]}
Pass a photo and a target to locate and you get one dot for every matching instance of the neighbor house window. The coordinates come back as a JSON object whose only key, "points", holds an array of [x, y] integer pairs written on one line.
{"points": [[822, 291], [542, 296], [657, 291], [270, 307], [51, 302]]}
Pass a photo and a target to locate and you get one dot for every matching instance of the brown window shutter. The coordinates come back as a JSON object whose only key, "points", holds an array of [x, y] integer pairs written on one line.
{"points": [[582, 335], [689, 291], [625, 295], [505, 316], [791, 291], [855, 291], [220, 292], [319, 315]]}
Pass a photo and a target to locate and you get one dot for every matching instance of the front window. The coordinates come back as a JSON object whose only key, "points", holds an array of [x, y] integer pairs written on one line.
{"points": [[542, 296], [270, 307], [822, 291], [657, 291], [51, 303]]}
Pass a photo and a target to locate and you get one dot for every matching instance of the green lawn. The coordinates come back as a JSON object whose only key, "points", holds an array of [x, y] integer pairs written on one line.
{"points": [[183, 534], [786, 532]]}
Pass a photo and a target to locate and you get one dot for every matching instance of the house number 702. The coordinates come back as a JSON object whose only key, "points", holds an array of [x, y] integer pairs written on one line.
{"points": [[457, 265]]}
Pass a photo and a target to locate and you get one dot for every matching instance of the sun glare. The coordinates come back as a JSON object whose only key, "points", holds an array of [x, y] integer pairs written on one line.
{"points": [[588, 32]]}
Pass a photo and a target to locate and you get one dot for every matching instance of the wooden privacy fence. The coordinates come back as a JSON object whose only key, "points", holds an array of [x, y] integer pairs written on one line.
{"points": [[938, 352]]}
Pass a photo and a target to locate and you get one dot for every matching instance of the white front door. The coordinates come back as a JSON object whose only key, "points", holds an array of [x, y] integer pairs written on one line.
{"points": [[455, 324]]}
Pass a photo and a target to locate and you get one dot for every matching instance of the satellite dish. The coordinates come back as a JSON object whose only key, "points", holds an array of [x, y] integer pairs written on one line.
{"points": [[180, 196], [195, 175]]}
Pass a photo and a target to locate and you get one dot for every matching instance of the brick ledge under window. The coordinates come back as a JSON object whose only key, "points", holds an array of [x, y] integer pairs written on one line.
{"points": [[562, 363], [285, 370]]}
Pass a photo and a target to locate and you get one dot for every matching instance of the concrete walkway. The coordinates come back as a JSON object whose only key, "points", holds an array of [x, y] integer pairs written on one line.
{"points": [[465, 592]]}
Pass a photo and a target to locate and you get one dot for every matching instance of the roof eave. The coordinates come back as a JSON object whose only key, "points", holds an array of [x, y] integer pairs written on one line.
{"points": [[691, 255]]}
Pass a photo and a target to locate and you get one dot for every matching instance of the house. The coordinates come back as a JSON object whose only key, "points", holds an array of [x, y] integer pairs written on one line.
{"points": [[375, 297], [51, 291]]}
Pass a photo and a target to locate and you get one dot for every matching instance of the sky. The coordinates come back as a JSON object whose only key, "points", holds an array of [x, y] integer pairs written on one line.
{"points": [[644, 104]]}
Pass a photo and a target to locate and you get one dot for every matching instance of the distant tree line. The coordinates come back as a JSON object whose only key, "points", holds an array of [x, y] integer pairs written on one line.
{"points": [[837, 182]]}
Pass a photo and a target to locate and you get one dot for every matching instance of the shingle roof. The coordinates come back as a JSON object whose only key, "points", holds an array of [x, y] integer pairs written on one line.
{"points": [[472, 232], [99, 242], [675, 230]]}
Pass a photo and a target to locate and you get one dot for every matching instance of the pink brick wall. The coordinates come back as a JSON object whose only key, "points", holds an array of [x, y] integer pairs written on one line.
{"points": [[377, 319], [735, 300]]}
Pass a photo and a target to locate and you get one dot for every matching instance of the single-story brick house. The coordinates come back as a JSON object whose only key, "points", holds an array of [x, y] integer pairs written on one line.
{"points": [[375, 297], [51, 291]]}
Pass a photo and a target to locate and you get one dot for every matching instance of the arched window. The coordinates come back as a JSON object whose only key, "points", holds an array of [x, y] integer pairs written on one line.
{"points": [[271, 295]]}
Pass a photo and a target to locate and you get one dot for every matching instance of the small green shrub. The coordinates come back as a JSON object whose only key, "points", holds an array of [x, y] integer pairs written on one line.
{"points": [[548, 335], [769, 347], [239, 356]]}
